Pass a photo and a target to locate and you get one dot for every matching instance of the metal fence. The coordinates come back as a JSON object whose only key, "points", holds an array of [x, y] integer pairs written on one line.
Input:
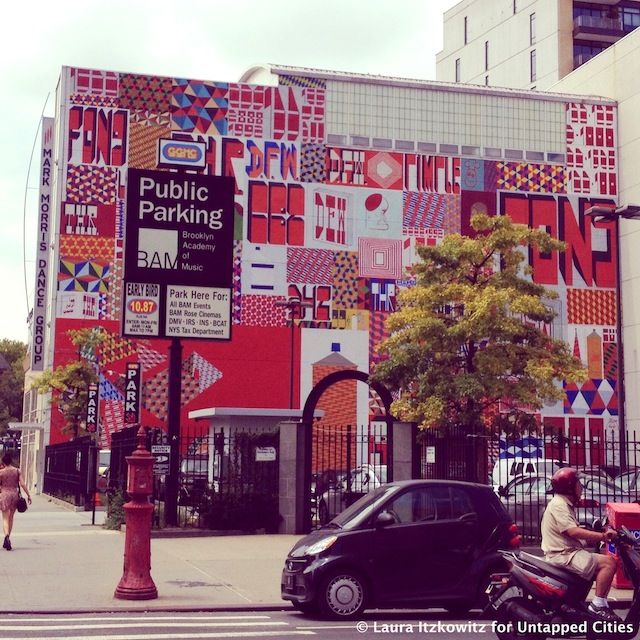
{"points": [[228, 479], [347, 462], [519, 467], [70, 470]]}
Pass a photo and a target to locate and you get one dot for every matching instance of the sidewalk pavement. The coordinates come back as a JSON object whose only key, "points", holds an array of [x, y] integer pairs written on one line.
{"points": [[60, 562]]}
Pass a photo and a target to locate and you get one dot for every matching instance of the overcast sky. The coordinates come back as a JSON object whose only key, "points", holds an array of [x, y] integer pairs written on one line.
{"points": [[202, 39]]}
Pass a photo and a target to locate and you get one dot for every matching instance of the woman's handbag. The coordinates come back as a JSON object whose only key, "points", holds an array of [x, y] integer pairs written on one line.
{"points": [[21, 506]]}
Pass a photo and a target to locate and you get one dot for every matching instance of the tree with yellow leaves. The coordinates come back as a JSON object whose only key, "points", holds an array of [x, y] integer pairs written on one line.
{"points": [[468, 340]]}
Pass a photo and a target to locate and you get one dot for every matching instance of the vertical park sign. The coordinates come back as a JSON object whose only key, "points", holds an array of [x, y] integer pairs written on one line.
{"points": [[178, 260]]}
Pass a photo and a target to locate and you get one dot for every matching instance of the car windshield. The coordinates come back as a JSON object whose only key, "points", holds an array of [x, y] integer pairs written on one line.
{"points": [[361, 509], [601, 487]]}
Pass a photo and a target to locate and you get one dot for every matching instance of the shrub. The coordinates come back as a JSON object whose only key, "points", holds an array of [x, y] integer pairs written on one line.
{"points": [[115, 509]]}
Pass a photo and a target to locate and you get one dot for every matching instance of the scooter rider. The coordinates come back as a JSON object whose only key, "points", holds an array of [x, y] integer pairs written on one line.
{"points": [[563, 540]]}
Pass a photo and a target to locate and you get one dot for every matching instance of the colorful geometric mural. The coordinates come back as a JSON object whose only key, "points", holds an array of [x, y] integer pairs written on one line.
{"points": [[334, 224]]}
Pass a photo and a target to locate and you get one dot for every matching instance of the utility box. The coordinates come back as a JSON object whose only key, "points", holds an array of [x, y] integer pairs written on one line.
{"points": [[623, 514]]}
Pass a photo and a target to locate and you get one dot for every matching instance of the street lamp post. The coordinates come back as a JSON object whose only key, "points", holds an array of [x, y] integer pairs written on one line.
{"points": [[292, 304], [599, 213]]}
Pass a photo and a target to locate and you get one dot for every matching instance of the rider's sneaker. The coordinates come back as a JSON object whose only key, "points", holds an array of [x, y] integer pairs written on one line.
{"points": [[604, 612]]}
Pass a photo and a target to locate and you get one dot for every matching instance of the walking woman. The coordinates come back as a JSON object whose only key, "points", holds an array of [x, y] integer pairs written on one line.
{"points": [[10, 481]]}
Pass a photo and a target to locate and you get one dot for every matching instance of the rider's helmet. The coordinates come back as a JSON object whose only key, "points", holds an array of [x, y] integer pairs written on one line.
{"points": [[564, 481]]}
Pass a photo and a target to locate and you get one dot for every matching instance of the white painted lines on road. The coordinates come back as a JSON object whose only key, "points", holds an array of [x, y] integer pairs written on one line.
{"points": [[171, 636], [145, 627], [125, 625]]}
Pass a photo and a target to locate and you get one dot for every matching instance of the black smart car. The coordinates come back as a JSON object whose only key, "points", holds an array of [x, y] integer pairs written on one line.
{"points": [[429, 543]]}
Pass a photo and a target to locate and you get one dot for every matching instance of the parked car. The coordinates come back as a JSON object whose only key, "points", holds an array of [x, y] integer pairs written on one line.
{"points": [[598, 490], [347, 489], [507, 469], [526, 498], [193, 479], [320, 482], [423, 543], [629, 483]]}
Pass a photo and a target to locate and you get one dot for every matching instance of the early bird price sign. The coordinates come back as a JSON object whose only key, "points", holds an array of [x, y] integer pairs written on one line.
{"points": [[178, 255]]}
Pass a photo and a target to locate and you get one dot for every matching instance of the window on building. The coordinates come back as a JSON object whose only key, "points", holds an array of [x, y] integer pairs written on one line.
{"points": [[466, 30], [532, 65], [457, 69], [582, 52], [515, 5], [486, 55], [486, 81], [630, 18], [532, 29]]}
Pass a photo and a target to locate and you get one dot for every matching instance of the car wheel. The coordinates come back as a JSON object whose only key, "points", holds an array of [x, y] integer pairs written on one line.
{"points": [[343, 596], [323, 513]]}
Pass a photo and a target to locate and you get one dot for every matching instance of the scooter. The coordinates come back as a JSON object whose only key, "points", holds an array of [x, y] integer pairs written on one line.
{"points": [[540, 600]]}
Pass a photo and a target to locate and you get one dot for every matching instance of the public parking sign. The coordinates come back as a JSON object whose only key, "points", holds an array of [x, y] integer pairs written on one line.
{"points": [[178, 255]]}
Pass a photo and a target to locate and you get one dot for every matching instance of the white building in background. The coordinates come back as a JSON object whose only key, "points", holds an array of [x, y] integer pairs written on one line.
{"points": [[614, 74], [528, 44]]}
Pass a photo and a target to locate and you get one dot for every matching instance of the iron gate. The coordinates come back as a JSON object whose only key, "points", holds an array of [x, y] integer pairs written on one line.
{"points": [[347, 462]]}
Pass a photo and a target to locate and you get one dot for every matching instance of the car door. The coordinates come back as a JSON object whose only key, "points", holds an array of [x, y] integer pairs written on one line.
{"points": [[427, 549]]}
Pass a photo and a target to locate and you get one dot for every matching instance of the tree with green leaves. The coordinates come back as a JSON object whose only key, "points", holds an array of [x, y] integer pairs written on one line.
{"points": [[12, 354], [467, 345], [69, 383]]}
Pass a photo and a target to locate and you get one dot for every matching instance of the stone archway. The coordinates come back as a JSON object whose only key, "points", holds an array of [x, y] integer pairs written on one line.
{"points": [[344, 447]]}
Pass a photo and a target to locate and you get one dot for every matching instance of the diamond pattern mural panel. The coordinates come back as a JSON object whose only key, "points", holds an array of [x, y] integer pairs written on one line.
{"points": [[519, 176], [199, 107], [143, 141], [310, 265], [145, 93], [591, 306], [431, 211], [262, 311], [87, 184], [76, 274], [84, 246], [312, 163], [344, 283], [594, 397]]}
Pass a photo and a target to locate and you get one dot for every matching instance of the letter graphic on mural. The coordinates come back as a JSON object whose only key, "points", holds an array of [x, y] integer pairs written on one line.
{"points": [[589, 258], [98, 136], [276, 213]]}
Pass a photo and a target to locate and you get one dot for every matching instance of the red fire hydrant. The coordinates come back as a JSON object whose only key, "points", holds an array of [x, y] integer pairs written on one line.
{"points": [[136, 582]]}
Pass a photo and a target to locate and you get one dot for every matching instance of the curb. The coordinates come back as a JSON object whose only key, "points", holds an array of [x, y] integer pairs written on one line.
{"points": [[614, 604], [156, 608]]}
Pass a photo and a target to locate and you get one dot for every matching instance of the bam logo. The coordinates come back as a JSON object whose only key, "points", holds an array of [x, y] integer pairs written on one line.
{"points": [[157, 248]]}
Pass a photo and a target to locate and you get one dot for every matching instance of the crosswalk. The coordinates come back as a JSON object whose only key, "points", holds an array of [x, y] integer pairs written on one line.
{"points": [[146, 626]]}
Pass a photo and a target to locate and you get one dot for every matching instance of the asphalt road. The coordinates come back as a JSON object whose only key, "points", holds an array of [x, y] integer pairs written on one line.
{"points": [[203, 626]]}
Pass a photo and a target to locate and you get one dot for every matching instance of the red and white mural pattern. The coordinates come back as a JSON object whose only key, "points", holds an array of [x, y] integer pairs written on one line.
{"points": [[336, 226]]}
